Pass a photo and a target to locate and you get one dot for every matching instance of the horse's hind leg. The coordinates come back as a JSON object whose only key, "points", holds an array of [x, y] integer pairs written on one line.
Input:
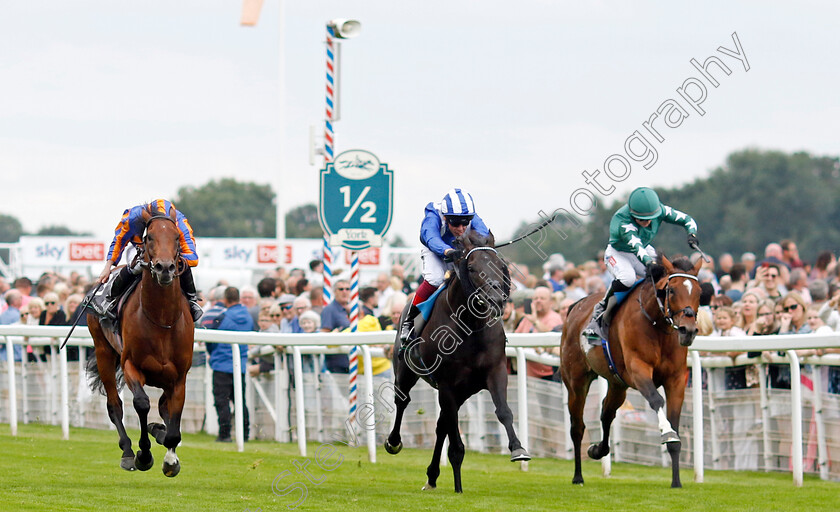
{"points": [[577, 387], [456, 444], [107, 361], [405, 379], [497, 386], [134, 379], [445, 425], [615, 397]]}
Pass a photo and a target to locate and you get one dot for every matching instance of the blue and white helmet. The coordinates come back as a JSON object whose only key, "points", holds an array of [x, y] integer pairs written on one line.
{"points": [[457, 202]]}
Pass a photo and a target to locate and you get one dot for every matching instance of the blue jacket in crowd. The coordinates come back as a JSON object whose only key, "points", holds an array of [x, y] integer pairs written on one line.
{"points": [[237, 318]]}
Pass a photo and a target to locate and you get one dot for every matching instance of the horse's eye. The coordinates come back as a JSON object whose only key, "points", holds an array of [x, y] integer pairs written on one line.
{"points": [[469, 268]]}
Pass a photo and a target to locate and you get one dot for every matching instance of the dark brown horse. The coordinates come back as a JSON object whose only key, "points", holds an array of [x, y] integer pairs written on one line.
{"points": [[156, 349], [648, 340], [460, 352]]}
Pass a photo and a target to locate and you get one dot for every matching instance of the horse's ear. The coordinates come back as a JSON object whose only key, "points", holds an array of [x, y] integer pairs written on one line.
{"points": [[173, 213], [147, 214], [665, 262], [491, 240], [697, 266]]}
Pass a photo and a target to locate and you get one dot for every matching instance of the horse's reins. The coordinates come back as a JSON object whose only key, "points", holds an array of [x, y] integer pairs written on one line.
{"points": [[467, 277], [666, 309]]}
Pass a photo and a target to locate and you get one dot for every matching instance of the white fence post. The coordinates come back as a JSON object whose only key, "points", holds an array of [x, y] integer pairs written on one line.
{"points": [[238, 409], [10, 366], [63, 384], [697, 409], [522, 399], [795, 417]]}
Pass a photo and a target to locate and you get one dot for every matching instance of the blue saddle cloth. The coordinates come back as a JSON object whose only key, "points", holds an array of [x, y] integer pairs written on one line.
{"points": [[426, 306], [620, 296]]}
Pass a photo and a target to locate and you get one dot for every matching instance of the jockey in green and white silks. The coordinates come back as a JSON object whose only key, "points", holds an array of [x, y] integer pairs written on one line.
{"points": [[629, 253]]}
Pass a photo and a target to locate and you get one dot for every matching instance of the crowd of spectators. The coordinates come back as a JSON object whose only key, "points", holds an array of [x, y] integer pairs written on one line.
{"points": [[777, 294]]}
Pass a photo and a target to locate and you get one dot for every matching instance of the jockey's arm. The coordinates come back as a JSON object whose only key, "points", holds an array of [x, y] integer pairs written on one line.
{"points": [[674, 216], [430, 234], [103, 276]]}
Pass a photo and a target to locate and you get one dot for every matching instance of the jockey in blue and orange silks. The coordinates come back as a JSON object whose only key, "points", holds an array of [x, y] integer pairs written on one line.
{"points": [[130, 230], [443, 222]]}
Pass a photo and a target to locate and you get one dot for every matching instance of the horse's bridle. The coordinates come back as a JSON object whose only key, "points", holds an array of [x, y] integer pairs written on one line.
{"points": [[147, 264], [665, 310], [462, 271]]}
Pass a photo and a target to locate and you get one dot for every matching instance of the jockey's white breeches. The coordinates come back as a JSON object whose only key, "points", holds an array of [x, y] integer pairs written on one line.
{"points": [[434, 269], [625, 266]]}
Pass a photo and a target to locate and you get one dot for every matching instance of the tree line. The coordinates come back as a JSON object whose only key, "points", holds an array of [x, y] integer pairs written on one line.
{"points": [[755, 198]]}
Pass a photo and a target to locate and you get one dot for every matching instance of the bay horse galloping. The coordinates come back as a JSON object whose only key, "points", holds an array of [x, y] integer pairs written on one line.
{"points": [[460, 352], [648, 344], [155, 348]]}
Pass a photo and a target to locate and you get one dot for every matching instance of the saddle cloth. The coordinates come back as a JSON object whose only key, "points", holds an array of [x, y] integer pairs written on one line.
{"points": [[426, 306]]}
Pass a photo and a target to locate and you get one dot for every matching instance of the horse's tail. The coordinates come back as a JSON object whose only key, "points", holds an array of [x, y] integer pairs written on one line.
{"points": [[95, 380]]}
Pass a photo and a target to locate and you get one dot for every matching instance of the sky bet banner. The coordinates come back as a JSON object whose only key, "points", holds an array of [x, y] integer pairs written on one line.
{"points": [[50, 251]]}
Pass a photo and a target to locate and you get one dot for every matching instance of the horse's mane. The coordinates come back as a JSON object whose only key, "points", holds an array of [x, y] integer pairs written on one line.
{"points": [[680, 263], [478, 240]]}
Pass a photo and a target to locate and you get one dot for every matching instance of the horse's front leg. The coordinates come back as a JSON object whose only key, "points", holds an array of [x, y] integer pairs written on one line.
{"points": [[675, 395], [135, 381], [171, 407], [497, 386], [615, 397], [405, 379], [642, 375]]}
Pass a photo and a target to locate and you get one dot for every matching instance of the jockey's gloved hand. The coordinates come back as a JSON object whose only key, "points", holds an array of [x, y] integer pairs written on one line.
{"points": [[649, 268], [452, 255], [693, 241]]}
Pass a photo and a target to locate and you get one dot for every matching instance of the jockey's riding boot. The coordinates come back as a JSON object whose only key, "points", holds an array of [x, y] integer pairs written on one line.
{"points": [[603, 310], [408, 323], [188, 287], [121, 281]]}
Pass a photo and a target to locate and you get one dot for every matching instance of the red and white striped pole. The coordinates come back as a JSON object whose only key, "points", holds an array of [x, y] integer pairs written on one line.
{"points": [[329, 139], [354, 326]]}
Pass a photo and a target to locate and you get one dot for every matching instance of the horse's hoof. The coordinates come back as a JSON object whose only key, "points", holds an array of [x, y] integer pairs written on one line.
{"points": [[428, 487], [171, 470], [127, 463], [393, 450], [669, 437], [158, 431], [577, 481], [519, 454], [144, 466], [594, 452], [676, 485]]}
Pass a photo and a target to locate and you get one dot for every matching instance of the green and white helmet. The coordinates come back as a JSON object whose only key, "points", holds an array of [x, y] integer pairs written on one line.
{"points": [[644, 204]]}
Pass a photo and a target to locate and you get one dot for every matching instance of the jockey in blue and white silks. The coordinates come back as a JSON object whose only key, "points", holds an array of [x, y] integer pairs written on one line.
{"points": [[443, 222], [131, 229]]}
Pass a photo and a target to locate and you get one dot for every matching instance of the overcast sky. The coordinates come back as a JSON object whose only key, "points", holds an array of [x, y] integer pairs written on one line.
{"points": [[106, 104]]}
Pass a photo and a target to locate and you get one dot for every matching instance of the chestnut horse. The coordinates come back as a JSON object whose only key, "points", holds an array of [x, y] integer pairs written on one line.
{"points": [[156, 348], [648, 341], [460, 352]]}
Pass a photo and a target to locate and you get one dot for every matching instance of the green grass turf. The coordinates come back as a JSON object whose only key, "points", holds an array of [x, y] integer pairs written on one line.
{"points": [[39, 471]]}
